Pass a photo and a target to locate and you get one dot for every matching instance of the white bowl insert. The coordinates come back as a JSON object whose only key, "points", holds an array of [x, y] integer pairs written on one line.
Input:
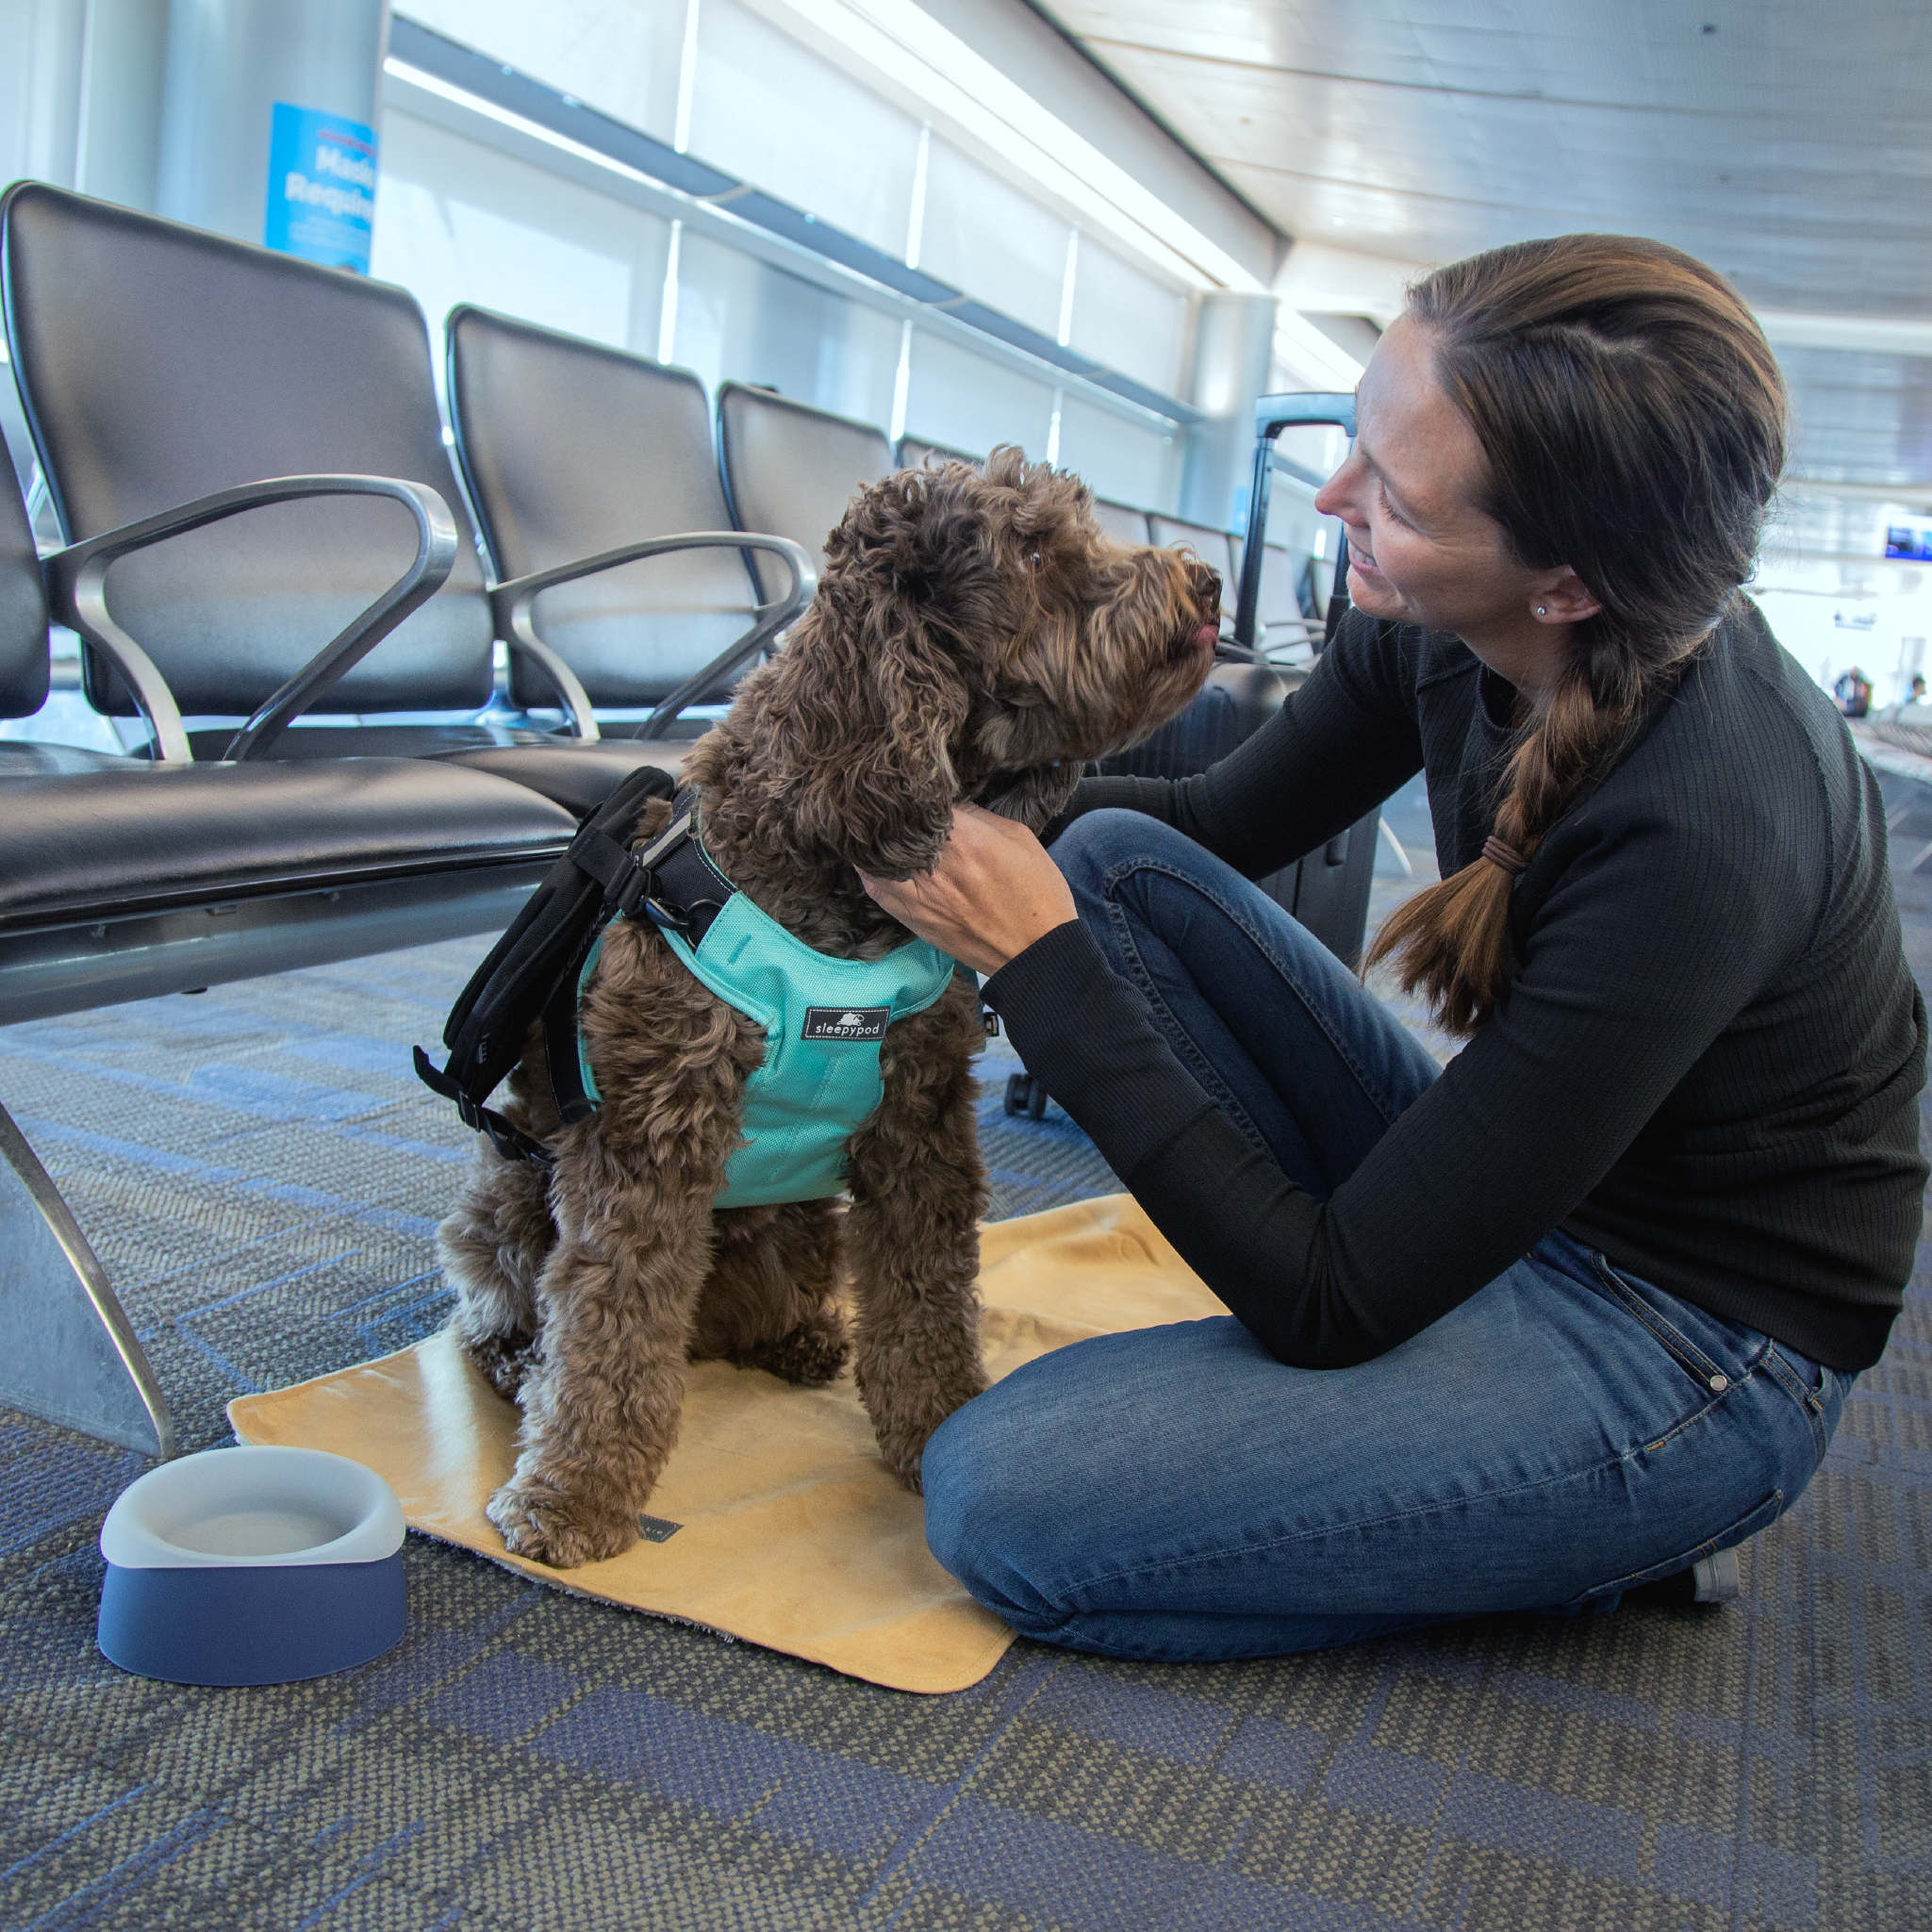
{"points": [[253, 1506]]}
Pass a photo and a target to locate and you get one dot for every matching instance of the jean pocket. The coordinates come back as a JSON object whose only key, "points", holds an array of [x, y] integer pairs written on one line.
{"points": [[1708, 1376], [1746, 1526]]}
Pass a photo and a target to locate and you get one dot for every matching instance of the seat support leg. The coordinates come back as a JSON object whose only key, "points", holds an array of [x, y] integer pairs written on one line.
{"points": [[70, 1354]]}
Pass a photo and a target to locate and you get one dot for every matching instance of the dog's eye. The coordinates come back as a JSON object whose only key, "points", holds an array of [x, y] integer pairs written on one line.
{"points": [[1035, 561]]}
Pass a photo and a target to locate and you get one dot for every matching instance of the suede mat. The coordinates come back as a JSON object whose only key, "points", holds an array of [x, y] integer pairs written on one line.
{"points": [[791, 1533]]}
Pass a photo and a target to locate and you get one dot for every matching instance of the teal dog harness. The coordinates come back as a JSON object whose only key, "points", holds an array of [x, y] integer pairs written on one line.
{"points": [[824, 1019]]}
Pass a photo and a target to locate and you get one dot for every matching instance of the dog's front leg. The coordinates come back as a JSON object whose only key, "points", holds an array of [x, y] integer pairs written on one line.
{"points": [[632, 1196], [492, 1244], [617, 1300], [919, 1190]]}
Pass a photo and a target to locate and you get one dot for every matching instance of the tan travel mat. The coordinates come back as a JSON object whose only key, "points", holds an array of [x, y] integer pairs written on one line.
{"points": [[790, 1532]]}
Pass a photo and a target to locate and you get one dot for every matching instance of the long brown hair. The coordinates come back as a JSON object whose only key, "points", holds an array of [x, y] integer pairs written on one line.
{"points": [[1633, 420]]}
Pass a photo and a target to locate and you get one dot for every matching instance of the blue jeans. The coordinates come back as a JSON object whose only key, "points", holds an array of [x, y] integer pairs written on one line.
{"points": [[1178, 1493]]}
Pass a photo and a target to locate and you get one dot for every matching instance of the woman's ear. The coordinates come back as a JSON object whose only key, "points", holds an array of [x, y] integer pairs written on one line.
{"points": [[1564, 599]]}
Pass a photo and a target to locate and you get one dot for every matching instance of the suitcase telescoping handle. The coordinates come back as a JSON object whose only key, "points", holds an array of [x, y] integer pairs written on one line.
{"points": [[1272, 415]]}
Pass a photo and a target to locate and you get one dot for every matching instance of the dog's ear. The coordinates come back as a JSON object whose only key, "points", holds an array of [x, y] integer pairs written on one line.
{"points": [[870, 683]]}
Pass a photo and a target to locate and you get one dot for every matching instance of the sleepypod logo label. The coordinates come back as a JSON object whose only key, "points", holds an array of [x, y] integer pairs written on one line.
{"points": [[846, 1022]]}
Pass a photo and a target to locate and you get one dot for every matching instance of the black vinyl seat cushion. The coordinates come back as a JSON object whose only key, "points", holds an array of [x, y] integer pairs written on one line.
{"points": [[568, 771], [303, 741], [28, 758], [577, 776], [78, 846]]}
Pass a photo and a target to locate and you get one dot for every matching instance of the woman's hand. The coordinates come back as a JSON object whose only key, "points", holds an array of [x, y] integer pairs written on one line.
{"points": [[992, 894]]}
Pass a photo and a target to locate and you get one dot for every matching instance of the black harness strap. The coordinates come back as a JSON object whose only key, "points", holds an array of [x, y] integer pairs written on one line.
{"points": [[533, 970]]}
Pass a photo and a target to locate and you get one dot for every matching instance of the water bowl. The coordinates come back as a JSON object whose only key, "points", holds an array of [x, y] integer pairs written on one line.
{"points": [[252, 1566]]}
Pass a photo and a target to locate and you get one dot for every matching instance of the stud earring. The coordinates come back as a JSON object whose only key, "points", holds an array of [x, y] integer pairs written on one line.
{"points": [[1543, 610]]}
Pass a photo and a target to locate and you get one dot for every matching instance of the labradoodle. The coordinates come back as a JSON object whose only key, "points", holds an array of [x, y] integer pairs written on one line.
{"points": [[974, 636]]}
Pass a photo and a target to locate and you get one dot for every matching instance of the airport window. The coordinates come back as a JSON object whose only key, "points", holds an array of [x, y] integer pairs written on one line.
{"points": [[770, 111]]}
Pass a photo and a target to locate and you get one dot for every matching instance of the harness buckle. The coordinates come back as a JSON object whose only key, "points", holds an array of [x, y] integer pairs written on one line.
{"points": [[662, 915]]}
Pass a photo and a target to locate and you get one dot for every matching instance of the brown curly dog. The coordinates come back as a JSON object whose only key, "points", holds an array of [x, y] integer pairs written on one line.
{"points": [[974, 636]]}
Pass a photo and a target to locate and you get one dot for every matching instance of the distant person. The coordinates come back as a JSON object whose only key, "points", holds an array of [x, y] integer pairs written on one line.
{"points": [[1523, 1331], [1854, 693], [1917, 693]]}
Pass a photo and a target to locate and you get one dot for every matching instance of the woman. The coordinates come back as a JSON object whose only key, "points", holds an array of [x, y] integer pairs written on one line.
{"points": [[1584, 1306]]}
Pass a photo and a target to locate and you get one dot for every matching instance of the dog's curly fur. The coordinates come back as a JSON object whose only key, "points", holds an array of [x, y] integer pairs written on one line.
{"points": [[974, 636]]}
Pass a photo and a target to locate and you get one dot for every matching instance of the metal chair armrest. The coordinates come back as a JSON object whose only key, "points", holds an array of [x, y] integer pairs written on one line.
{"points": [[511, 604], [76, 584]]}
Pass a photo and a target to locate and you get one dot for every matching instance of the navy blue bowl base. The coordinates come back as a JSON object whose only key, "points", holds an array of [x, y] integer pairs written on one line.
{"points": [[259, 1624]]}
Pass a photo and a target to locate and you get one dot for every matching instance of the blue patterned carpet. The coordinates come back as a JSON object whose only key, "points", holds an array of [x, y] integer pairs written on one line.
{"points": [[262, 1176]]}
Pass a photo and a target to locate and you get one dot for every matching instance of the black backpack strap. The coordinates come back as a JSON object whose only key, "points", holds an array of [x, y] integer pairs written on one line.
{"points": [[506, 1136], [545, 945], [533, 970], [687, 891], [672, 883], [562, 1053]]}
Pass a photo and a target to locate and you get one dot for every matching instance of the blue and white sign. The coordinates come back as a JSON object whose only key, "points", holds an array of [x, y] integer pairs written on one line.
{"points": [[322, 187]]}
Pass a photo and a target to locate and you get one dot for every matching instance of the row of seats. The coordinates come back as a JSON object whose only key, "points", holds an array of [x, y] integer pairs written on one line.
{"points": [[165, 374], [160, 368], [277, 558]]}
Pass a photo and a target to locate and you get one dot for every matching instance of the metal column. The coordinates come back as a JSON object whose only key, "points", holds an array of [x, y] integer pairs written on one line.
{"points": [[259, 92], [1233, 340]]}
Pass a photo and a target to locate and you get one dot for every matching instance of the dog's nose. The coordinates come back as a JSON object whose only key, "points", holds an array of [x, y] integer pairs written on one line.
{"points": [[1206, 584]]}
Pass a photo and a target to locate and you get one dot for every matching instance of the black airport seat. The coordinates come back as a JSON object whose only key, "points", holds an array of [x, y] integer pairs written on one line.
{"points": [[576, 451], [158, 365], [792, 469], [121, 877], [124, 878], [1121, 522], [1281, 624], [915, 453]]}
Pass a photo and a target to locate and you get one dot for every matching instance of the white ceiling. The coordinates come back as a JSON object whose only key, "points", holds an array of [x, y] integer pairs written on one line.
{"points": [[1788, 143]]}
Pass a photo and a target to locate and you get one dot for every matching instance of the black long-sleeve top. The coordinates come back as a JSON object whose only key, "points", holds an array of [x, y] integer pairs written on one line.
{"points": [[1706, 1066]]}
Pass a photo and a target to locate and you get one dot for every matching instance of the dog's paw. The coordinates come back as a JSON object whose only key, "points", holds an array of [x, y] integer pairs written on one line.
{"points": [[501, 1361], [815, 1352], [538, 1524]]}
